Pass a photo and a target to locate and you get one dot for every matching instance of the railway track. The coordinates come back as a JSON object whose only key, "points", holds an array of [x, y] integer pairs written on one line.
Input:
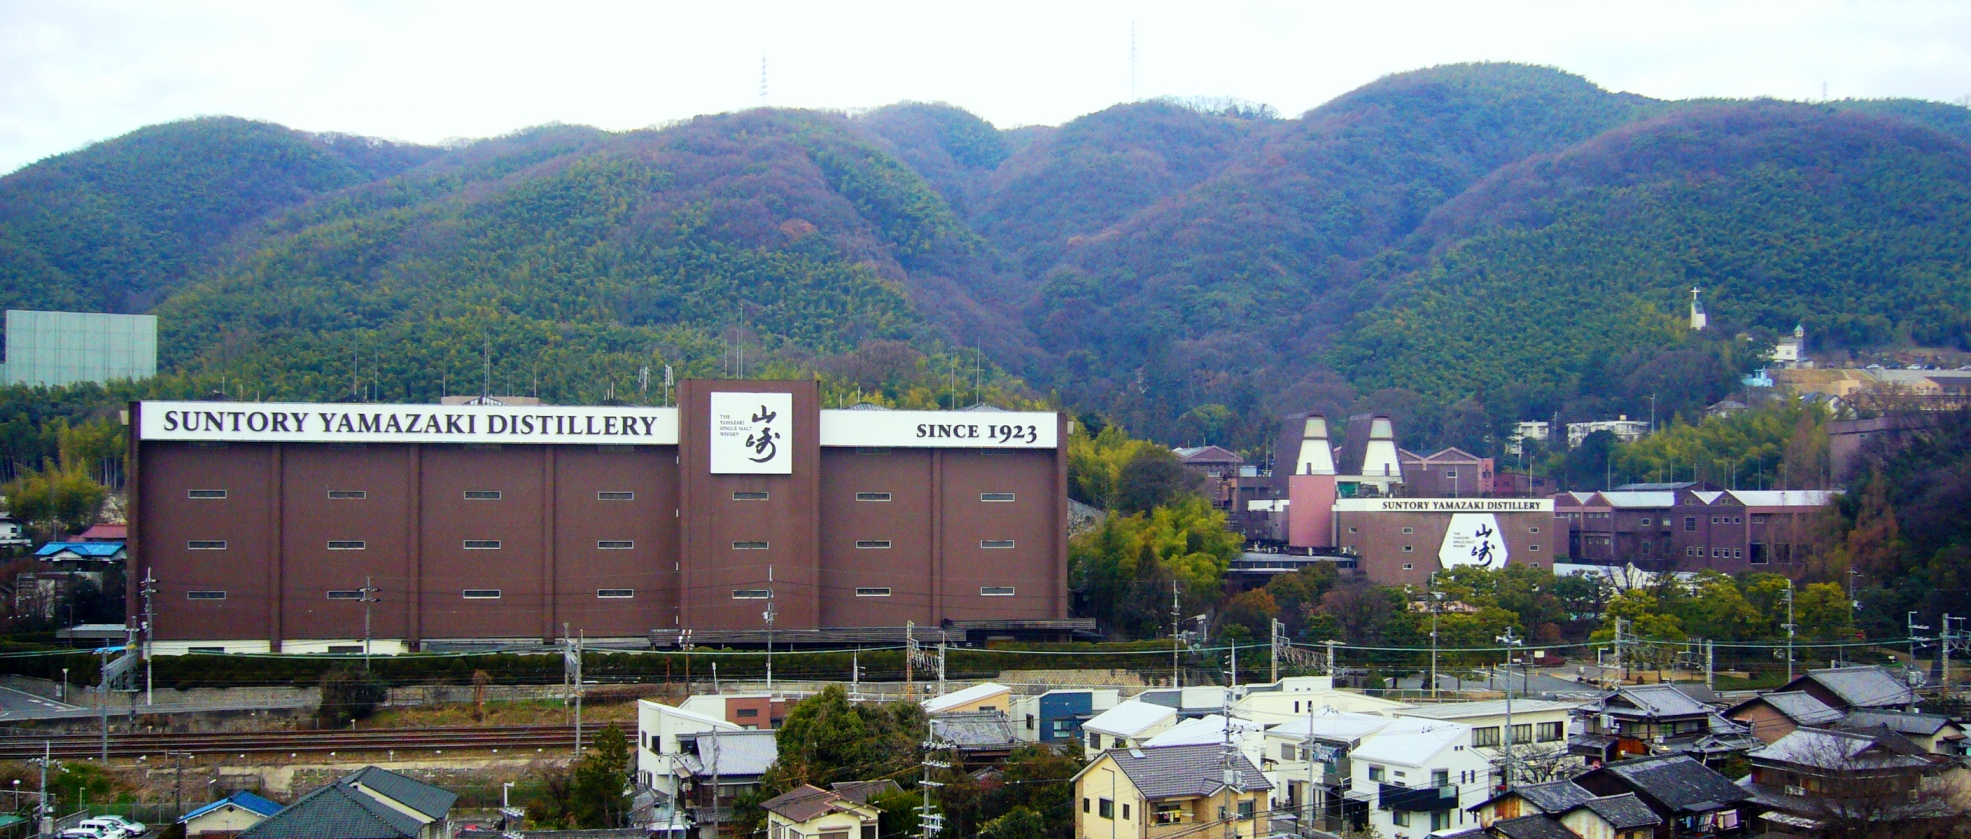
{"points": [[158, 746]]}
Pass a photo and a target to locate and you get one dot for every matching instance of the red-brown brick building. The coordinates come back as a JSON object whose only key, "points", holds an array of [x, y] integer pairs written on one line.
{"points": [[261, 524]]}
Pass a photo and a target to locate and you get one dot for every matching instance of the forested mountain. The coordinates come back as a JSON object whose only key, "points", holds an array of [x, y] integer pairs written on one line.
{"points": [[1461, 246]]}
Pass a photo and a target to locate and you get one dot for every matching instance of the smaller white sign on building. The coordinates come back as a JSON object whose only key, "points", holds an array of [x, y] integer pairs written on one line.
{"points": [[1473, 539], [752, 433]]}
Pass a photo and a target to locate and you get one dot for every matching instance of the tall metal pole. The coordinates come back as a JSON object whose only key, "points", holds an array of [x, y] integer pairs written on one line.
{"points": [[1511, 641], [580, 637], [1176, 632], [1789, 631], [47, 754], [1274, 668], [150, 630], [369, 598], [1943, 648], [1913, 626], [768, 616], [1433, 635]]}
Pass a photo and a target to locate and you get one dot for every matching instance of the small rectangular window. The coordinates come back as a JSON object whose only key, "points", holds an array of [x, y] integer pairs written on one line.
{"points": [[346, 545], [1409, 530], [998, 497], [348, 494], [205, 494], [1351, 530], [751, 594], [206, 545], [615, 496], [995, 591], [482, 594], [482, 495], [345, 594], [996, 544], [205, 595], [873, 591], [1690, 524], [749, 546], [1409, 566], [482, 544], [872, 544], [1533, 548], [749, 496], [872, 496], [1536, 530], [615, 593], [615, 545], [1409, 548], [872, 450]]}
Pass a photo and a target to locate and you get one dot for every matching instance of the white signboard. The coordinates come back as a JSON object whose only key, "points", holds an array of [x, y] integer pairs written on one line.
{"points": [[752, 433], [1444, 505], [1473, 539], [300, 422], [941, 429]]}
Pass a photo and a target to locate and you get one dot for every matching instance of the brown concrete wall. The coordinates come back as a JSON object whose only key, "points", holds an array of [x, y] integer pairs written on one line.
{"points": [[1379, 538], [788, 521], [966, 521], [244, 520], [517, 521], [310, 520], [908, 568], [648, 521]]}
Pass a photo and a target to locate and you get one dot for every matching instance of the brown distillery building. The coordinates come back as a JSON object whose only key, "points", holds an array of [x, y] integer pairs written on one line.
{"points": [[261, 525]]}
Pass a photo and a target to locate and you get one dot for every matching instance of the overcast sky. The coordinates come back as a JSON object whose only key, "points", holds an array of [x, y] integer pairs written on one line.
{"points": [[76, 71]]}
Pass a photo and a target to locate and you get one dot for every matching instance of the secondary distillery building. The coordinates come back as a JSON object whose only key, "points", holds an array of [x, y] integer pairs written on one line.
{"points": [[261, 525]]}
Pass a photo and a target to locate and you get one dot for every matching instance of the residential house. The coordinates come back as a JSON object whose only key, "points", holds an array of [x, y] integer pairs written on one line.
{"points": [[810, 812], [980, 697], [1538, 730], [1774, 715], [118, 533], [977, 736], [1581, 814], [1812, 777], [1127, 725], [1199, 701], [1307, 760], [658, 727], [1150, 793], [1056, 716], [1861, 686], [1611, 817], [1551, 798], [1416, 775], [1536, 826], [1936, 733], [1690, 798], [370, 803], [228, 817], [1294, 697], [746, 710], [1653, 720], [13, 534], [714, 769]]}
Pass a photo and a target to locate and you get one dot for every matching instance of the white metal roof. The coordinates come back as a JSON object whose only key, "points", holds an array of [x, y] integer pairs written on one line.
{"points": [[1410, 742], [1784, 497], [958, 701], [1129, 718], [1640, 499]]}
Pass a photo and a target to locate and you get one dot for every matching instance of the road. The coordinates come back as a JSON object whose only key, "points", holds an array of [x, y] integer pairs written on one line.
{"points": [[19, 705]]}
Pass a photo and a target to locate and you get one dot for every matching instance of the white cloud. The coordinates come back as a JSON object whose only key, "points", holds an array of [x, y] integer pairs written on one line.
{"points": [[84, 71]]}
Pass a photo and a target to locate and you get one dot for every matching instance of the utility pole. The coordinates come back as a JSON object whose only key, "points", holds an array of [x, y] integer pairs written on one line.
{"points": [[1620, 668], [941, 651], [369, 600], [1274, 650], [1943, 647], [909, 659], [1307, 753], [580, 636], [768, 617], [150, 630], [929, 821], [1176, 635], [47, 822], [1789, 631], [571, 671], [1710, 664], [1511, 641], [1434, 596], [1913, 627], [1232, 777], [1333, 666]]}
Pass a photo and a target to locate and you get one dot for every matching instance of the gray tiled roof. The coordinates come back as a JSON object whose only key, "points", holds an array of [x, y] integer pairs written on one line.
{"points": [[1657, 701], [1901, 722], [1537, 826], [739, 754], [1623, 811], [1185, 771], [974, 730], [432, 801], [1554, 796], [1798, 706], [1678, 781], [336, 811], [1864, 687]]}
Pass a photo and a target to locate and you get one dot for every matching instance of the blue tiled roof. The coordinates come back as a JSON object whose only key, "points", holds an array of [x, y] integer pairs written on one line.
{"points": [[243, 800], [93, 550]]}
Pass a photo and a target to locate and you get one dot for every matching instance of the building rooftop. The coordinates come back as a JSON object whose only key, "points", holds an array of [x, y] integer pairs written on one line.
{"points": [[1866, 686], [1652, 700], [1678, 781], [731, 754], [433, 802], [1554, 796], [1411, 742], [974, 730], [1838, 750], [244, 800], [964, 700], [1331, 724], [337, 810], [84, 550], [1485, 708], [1800, 707], [1622, 812], [1185, 771], [1129, 718], [807, 802], [1906, 723], [1536, 826]]}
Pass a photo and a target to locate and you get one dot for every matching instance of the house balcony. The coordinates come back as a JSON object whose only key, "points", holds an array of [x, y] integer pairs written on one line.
{"points": [[1417, 800]]}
